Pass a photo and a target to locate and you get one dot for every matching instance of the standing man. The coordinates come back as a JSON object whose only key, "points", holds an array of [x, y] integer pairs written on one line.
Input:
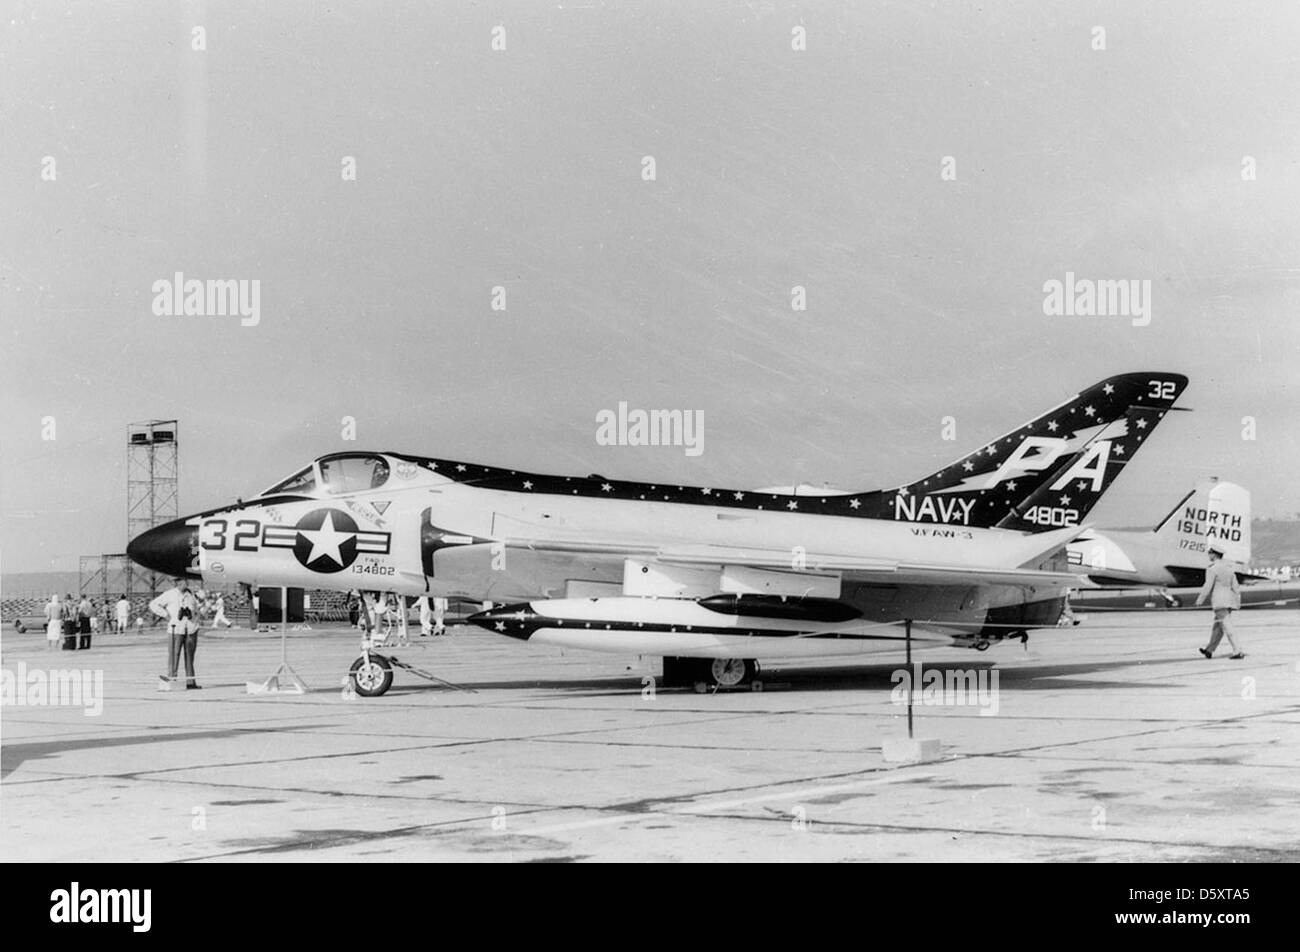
{"points": [[123, 608], [353, 604], [1224, 595], [69, 623], [85, 611], [180, 608]]}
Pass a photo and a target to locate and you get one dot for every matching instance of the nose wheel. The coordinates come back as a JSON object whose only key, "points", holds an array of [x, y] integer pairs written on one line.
{"points": [[371, 674]]}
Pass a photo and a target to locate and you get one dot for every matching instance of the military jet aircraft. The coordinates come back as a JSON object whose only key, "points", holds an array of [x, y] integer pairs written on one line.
{"points": [[710, 579]]}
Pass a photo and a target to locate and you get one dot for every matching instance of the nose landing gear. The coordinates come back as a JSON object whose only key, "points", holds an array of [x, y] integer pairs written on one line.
{"points": [[371, 675]]}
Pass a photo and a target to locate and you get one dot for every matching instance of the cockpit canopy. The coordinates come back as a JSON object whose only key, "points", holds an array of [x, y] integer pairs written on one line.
{"points": [[352, 472], [335, 475]]}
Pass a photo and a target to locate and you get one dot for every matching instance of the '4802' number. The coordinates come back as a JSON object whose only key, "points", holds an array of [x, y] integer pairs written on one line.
{"points": [[1052, 516]]}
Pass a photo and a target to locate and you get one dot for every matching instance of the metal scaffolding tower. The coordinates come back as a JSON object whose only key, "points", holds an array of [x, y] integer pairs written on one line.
{"points": [[107, 576], [152, 469], [151, 499]]}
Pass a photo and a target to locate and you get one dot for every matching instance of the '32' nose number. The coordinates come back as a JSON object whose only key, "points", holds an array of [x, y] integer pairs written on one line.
{"points": [[245, 536]]}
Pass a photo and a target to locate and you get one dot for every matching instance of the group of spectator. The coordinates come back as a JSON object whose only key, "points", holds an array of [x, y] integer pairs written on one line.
{"points": [[74, 622], [85, 617]]}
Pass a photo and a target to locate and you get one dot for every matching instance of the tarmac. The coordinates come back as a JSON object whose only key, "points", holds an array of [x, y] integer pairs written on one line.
{"points": [[1111, 741]]}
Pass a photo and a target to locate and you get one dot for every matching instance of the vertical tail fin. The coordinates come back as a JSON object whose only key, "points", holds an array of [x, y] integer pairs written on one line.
{"points": [[1213, 514], [994, 485], [1075, 488]]}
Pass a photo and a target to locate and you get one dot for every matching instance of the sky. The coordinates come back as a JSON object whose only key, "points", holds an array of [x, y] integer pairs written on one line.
{"points": [[921, 170]]}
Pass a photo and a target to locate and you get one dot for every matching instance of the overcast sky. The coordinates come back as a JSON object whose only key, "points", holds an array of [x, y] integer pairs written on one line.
{"points": [[523, 169]]}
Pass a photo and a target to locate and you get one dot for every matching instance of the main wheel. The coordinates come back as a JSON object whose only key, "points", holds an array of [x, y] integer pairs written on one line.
{"points": [[729, 672], [371, 679]]}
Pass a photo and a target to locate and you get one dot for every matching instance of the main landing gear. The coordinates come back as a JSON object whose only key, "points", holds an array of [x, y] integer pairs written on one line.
{"points": [[711, 674]]}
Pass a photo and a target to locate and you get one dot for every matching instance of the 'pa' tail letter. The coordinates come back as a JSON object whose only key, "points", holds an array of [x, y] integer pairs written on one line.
{"points": [[1076, 485]]}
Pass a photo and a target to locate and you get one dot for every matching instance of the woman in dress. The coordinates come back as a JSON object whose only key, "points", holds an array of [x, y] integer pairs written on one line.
{"points": [[53, 621]]}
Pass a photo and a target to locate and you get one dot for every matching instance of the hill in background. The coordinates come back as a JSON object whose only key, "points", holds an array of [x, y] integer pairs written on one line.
{"points": [[1275, 541]]}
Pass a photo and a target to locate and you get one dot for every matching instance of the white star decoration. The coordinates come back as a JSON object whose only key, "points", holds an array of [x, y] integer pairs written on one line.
{"points": [[854, 504], [1052, 425], [606, 487], [1089, 411], [1108, 389], [707, 492], [528, 484], [460, 468], [326, 540], [1065, 500], [738, 496], [792, 505], [1012, 485], [968, 466], [903, 492], [1141, 423], [1119, 449], [501, 626]]}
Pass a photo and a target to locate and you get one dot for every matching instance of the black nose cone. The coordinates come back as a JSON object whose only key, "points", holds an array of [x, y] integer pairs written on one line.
{"points": [[517, 621], [170, 549]]}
